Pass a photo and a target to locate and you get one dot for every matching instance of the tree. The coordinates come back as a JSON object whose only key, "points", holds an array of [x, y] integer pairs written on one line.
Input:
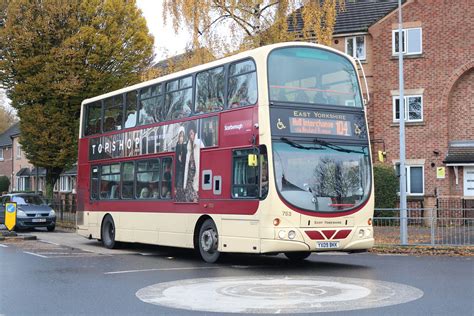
{"points": [[54, 54], [252, 23], [386, 186], [4, 184]]}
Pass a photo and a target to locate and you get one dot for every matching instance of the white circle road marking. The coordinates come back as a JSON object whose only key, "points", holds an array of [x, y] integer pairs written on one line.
{"points": [[295, 294]]}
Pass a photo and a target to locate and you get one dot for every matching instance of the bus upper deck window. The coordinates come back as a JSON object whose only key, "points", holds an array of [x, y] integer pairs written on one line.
{"points": [[94, 118], [242, 85]]}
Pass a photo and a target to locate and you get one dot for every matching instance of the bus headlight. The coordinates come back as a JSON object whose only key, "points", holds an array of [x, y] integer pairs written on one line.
{"points": [[281, 234], [291, 234], [361, 233]]}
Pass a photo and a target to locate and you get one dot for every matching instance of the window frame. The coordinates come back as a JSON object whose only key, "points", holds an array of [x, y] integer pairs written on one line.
{"points": [[159, 96], [18, 151], [196, 89], [407, 109], [405, 48], [233, 184], [65, 183], [408, 178], [229, 76], [135, 187], [2, 157], [119, 194], [354, 47]]}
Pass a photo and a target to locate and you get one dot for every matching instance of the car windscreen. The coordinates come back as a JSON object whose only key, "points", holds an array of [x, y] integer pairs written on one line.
{"points": [[28, 200]]}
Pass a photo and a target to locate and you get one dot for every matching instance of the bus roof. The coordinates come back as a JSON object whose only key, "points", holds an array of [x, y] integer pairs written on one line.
{"points": [[261, 51]]}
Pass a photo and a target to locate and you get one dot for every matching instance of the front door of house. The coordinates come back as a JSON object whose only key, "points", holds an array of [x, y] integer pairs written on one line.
{"points": [[468, 181]]}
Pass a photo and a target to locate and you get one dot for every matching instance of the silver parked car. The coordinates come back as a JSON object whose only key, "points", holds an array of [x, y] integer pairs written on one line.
{"points": [[32, 211]]}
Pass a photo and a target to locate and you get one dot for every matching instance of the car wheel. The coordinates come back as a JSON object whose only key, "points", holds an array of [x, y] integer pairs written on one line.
{"points": [[108, 232], [298, 255], [51, 228], [208, 241]]}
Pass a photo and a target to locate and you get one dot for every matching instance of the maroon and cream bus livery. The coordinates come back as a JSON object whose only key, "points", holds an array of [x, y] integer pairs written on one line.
{"points": [[263, 152]]}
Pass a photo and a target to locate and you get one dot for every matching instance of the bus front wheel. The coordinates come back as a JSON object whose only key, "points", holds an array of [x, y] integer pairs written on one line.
{"points": [[208, 241], [298, 255], [108, 232]]}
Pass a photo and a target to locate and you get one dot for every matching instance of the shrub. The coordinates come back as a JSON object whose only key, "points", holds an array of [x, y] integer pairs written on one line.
{"points": [[386, 186], [4, 184]]}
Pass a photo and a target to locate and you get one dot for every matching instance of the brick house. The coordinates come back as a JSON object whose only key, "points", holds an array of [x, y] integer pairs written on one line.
{"points": [[26, 177], [6, 152], [439, 95], [439, 90]]}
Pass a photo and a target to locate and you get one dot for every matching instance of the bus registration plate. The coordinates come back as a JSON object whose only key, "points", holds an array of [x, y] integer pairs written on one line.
{"points": [[327, 244]]}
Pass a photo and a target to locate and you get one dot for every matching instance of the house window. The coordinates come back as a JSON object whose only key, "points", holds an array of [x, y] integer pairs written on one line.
{"points": [[411, 41], [355, 47], [414, 179], [23, 184], [65, 184], [413, 108], [18, 151], [1, 154]]}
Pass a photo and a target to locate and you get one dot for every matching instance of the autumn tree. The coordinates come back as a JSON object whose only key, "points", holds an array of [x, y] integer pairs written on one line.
{"points": [[228, 26], [54, 54]]}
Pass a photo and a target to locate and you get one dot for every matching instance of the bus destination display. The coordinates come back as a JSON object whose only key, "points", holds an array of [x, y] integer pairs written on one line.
{"points": [[287, 122], [301, 125]]}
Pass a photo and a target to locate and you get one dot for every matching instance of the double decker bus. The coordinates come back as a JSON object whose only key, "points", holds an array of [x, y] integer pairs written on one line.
{"points": [[263, 152]]}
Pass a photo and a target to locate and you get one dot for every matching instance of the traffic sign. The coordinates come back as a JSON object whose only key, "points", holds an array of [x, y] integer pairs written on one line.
{"points": [[10, 215]]}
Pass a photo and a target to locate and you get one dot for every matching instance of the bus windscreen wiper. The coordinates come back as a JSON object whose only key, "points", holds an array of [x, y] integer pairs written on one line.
{"points": [[336, 147], [295, 144]]}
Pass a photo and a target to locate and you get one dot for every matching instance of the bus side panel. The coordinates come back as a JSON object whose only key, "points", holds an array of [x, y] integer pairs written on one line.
{"points": [[219, 163], [237, 128]]}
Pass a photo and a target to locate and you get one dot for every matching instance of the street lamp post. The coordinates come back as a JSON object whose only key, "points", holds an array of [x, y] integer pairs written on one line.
{"points": [[403, 190]]}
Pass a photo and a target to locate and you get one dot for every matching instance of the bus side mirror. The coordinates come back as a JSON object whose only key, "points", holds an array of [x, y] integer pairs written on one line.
{"points": [[252, 160]]}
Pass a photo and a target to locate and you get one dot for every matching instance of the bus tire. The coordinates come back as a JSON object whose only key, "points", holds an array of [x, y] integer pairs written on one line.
{"points": [[208, 241], [298, 255], [108, 232]]}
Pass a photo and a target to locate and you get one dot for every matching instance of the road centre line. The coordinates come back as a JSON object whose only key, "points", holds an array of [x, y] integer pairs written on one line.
{"points": [[35, 254], [162, 269]]}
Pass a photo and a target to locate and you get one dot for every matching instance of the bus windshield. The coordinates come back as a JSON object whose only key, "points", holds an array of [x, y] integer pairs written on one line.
{"points": [[321, 177], [314, 76]]}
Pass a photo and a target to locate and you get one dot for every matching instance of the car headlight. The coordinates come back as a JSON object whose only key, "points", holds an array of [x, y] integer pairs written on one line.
{"points": [[52, 213], [20, 213]]}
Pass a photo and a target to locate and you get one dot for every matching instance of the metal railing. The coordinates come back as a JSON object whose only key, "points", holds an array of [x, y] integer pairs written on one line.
{"points": [[65, 211], [433, 227]]}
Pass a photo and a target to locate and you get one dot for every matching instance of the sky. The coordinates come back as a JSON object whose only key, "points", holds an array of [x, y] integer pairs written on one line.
{"points": [[165, 37]]}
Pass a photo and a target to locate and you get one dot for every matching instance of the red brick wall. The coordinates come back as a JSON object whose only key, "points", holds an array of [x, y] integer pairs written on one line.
{"points": [[448, 46], [461, 107]]}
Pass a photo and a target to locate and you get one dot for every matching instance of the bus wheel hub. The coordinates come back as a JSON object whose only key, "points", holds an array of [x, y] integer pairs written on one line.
{"points": [[209, 240]]}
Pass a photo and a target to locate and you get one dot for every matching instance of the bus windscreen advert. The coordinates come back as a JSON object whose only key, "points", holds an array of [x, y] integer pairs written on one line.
{"points": [[305, 123]]}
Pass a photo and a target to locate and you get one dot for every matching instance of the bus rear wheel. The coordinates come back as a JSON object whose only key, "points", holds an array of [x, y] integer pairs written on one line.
{"points": [[298, 255], [208, 241], [108, 232]]}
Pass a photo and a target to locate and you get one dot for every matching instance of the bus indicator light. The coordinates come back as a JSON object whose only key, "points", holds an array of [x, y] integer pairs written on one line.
{"points": [[369, 222], [276, 222]]}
